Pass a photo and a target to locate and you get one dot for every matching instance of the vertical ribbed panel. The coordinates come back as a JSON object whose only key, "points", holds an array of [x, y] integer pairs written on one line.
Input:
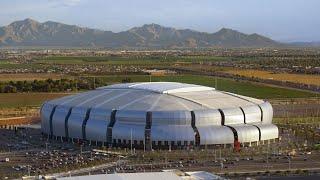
{"points": [[261, 113], [66, 123], [244, 115], [235, 134], [267, 112], [222, 117], [259, 131], [51, 115], [84, 137], [110, 126], [147, 133], [196, 132]]}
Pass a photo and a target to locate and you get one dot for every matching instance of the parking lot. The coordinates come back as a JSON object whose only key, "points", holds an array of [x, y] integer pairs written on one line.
{"points": [[24, 151]]}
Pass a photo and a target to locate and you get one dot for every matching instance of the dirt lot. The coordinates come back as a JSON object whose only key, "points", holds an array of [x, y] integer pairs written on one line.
{"points": [[297, 107], [15, 100], [297, 78]]}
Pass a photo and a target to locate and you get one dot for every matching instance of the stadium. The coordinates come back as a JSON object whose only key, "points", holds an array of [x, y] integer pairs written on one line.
{"points": [[158, 114]]}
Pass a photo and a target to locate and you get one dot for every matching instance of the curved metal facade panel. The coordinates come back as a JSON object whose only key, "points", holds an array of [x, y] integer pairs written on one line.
{"points": [[268, 131], [45, 113], [172, 126], [267, 112], [215, 135], [127, 123], [172, 133], [97, 124], [207, 117], [75, 121], [246, 133], [58, 120], [233, 116], [171, 118], [123, 131], [252, 113], [131, 117]]}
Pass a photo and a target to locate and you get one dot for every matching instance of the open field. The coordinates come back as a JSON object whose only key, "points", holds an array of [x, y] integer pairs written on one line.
{"points": [[297, 78], [30, 76], [11, 100]]}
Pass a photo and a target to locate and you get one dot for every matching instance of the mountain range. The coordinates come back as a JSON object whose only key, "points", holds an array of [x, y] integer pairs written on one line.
{"points": [[29, 32]]}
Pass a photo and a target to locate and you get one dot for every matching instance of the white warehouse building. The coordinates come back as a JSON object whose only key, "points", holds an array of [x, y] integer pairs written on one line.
{"points": [[158, 114]]}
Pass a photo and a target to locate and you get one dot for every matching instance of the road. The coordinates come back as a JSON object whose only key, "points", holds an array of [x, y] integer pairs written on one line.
{"points": [[86, 170]]}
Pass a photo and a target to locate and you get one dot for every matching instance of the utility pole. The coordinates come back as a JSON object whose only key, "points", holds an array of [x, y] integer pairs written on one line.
{"points": [[94, 82], [166, 160], [144, 145], [46, 147], [268, 156], [289, 163], [131, 139], [81, 149], [29, 170]]}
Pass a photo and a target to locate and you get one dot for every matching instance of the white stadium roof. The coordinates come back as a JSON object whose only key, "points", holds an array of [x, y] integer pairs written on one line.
{"points": [[161, 87], [156, 96]]}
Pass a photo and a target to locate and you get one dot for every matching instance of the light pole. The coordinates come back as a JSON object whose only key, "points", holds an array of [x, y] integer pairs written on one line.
{"points": [[268, 155], [289, 161], [81, 150], [47, 147], [29, 171], [131, 140]]}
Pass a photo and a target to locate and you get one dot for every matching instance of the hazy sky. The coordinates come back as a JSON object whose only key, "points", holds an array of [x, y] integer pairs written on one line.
{"points": [[283, 20]]}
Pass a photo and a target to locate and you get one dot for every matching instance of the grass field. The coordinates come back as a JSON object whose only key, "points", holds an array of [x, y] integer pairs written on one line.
{"points": [[12, 100], [30, 76], [297, 78], [243, 88]]}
